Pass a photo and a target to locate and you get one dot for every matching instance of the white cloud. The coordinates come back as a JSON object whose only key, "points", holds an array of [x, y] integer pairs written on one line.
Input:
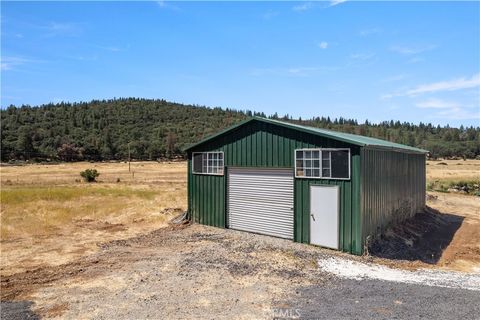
{"points": [[457, 113], [291, 71], [436, 104], [111, 48], [396, 77], [336, 2], [368, 32], [303, 7], [164, 5], [323, 45], [449, 109], [451, 85], [270, 14], [415, 60], [362, 56], [408, 50], [54, 29], [9, 63]]}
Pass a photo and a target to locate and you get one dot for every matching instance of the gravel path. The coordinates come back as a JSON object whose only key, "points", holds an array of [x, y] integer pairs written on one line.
{"points": [[200, 272], [374, 299]]}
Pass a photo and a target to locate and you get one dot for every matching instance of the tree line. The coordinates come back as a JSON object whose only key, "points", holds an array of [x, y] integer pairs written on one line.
{"points": [[147, 129]]}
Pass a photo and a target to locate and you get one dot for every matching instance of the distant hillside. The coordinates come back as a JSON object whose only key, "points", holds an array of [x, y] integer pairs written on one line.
{"points": [[152, 129]]}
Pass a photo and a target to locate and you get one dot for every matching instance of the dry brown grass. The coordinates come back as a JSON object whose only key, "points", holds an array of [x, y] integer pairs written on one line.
{"points": [[453, 170], [49, 216]]}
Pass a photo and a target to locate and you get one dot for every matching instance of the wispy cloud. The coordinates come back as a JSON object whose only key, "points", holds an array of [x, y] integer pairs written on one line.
{"points": [[409, 50], [54, 29], [450, 85], [448, 109], [436, 104], [10, 63], [415, 60], [291, 71], [362, 56], [336, 2], [323, 45], [166, 5], [270, 14], [368, 32], [111, 48], [303, 7], [397, 77]]}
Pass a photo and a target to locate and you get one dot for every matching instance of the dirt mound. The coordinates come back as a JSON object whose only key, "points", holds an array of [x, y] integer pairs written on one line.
{"points": [[423, 237]]}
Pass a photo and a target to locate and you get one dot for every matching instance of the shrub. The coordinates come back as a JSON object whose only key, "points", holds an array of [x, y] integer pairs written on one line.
{"points": [[90, 175]]}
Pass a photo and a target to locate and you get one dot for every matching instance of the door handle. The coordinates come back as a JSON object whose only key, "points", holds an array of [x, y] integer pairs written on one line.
{"points": [[313, 217]]}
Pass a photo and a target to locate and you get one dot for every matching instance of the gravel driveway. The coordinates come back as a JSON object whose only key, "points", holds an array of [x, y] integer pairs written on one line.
{"points": [[198, 272]]}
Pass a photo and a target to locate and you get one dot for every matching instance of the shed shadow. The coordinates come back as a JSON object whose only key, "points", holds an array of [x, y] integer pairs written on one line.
{"points": [[423, 237], [17, 310]]}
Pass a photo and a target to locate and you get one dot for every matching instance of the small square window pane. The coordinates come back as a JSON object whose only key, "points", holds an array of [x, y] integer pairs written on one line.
{"points": [[299, 154], [316, 172], [220, 171], [316, 163], [316, 154], [308, 154], [326, 173], [220, 155], [308, 163], [299, 163], [300, 172], [308, 172], [326, 155]]}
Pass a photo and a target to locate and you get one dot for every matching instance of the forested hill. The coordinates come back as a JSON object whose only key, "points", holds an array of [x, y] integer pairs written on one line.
{"points": [[152, 129]]}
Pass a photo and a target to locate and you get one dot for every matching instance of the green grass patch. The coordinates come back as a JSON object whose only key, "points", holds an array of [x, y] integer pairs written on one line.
{"points": [[471, 187], [14, 195]]}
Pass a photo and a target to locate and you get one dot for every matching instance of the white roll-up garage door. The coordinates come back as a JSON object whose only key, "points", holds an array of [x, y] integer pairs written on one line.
{"points": [[261, 201]]}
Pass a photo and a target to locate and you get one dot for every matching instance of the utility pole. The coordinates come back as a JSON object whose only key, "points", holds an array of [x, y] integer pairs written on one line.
{"points": [[129, 157]]}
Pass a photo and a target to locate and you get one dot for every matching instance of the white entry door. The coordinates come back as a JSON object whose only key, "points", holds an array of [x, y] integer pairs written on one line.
{"points": [[324, 216]]}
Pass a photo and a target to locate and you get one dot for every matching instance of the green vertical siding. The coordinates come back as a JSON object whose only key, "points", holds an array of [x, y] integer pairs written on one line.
{"points": [[392, 188], [349, 228], [259, 144]]}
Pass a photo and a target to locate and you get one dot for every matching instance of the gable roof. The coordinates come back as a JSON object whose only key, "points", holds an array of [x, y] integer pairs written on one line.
{"points": [[354, 139]]}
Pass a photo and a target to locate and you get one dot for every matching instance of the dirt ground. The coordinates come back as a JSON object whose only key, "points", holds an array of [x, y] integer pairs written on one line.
{"points": [[203, 272], [105, 250], [446, 236]]}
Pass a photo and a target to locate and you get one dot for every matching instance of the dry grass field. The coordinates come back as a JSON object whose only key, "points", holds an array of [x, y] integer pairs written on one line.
{"points": [[49, 216]]}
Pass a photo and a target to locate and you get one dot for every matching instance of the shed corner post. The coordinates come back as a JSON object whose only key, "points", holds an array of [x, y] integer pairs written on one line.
{"points": [[190, 215], [357, 231]]}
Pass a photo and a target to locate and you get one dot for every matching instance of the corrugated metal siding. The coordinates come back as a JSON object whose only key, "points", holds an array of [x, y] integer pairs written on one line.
{"points": [[261, 201], [260, 144], [350, 224], [392, 187]]}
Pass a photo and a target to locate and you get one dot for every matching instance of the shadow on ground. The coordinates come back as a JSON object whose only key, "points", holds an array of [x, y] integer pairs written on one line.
{"points": [[422, 237], [17, 310]]}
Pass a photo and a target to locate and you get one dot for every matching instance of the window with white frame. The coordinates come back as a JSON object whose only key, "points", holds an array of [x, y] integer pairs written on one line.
{"points": [[322, 163], [208, 163]]}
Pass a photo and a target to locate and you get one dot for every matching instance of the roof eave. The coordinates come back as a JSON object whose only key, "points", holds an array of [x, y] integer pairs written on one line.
{"points": [[403, 150]]}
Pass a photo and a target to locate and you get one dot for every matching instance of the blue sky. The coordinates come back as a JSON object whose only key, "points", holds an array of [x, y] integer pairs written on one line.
{"points": [[407, 61]]}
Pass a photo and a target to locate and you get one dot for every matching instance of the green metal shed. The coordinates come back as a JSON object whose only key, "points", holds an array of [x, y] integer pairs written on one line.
{"points": [[307, 184]]}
